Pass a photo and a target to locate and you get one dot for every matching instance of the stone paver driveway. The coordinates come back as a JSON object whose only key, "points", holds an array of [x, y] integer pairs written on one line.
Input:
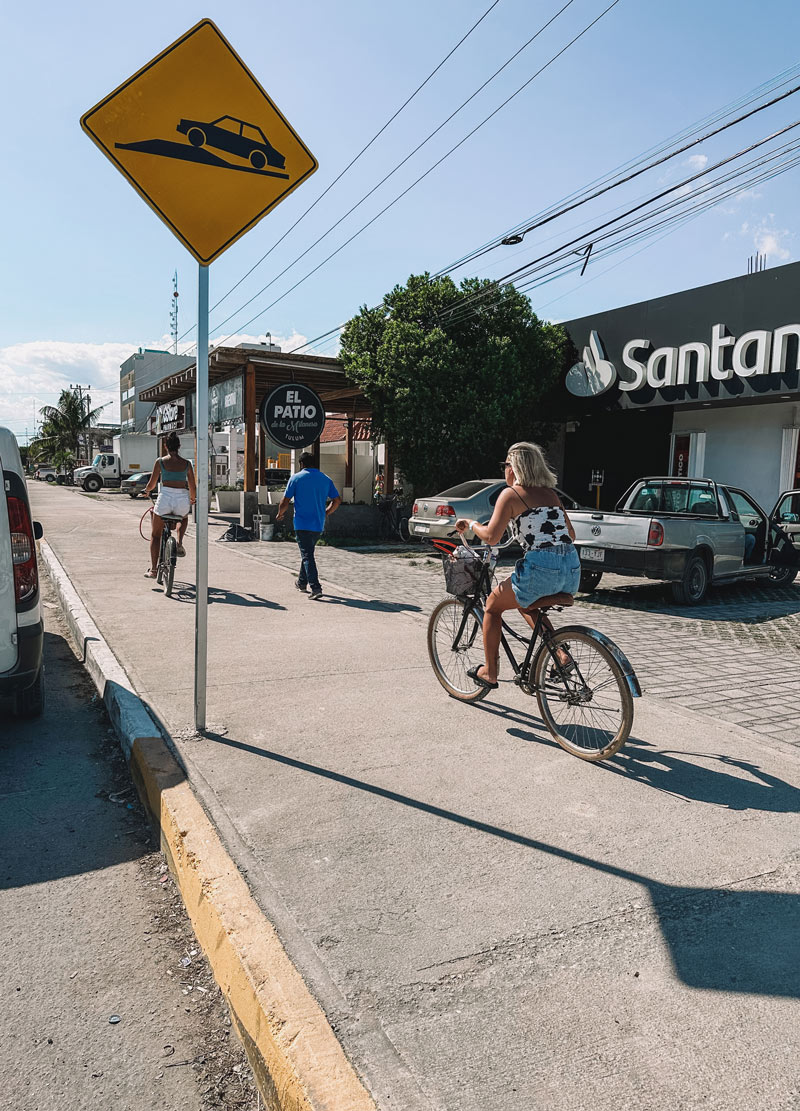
{"points": [[736, 657]]}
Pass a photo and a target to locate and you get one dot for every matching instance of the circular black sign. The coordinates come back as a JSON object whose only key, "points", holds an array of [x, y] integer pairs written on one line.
{"points": [[292, 415]]}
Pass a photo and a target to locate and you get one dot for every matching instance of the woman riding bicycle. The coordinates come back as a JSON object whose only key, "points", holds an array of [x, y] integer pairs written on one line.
{"points": [[175, 499], [532, 511]]}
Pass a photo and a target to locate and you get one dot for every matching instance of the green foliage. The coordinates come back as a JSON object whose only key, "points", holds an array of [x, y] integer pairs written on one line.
{"points": [[454, 374], [63, 427]]}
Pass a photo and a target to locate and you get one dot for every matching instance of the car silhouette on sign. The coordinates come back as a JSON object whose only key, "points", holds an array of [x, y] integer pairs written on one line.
{"points": [[235, 136]]}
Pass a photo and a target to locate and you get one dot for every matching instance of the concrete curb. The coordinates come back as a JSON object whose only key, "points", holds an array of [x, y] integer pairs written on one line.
{"points": [[297, 1061]]}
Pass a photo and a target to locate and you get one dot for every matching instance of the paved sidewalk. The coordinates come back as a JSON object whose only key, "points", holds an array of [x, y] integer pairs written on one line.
{"points": [[488, 922]]}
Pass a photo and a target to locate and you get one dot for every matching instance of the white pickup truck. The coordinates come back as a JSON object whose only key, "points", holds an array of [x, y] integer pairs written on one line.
{"points": [[691, 532]]}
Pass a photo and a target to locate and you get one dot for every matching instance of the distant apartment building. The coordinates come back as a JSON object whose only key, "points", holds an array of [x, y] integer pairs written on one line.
{"points": [[143, 369]]}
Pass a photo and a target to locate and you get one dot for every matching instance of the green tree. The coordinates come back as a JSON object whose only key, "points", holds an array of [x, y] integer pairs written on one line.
{"points": [[454, 374], [63, 428]]}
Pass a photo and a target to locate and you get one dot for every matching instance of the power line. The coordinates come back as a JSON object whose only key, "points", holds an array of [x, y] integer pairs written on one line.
{"points": [[398, 166], [600, 227], [452, 150], [555, 263], [773, 84], [637, 173], [353, 161]]}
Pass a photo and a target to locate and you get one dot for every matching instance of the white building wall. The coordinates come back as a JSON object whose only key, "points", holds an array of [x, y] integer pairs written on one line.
{"points": [[743, 445]]}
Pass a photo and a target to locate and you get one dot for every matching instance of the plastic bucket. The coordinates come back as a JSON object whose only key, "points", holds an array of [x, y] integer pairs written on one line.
{"points": [[267, 530]]}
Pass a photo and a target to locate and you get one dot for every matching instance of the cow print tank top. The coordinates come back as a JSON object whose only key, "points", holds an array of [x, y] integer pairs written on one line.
{"points": [[544, 526]]}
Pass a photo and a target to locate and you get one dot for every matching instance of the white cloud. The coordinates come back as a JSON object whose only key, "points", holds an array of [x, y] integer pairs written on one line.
{"points": [[768, 239], [34, 374], [697, 162]]}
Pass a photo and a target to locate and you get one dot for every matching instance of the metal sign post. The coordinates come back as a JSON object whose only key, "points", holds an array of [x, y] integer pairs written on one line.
{"points": [[201, 507], [195, 123]]}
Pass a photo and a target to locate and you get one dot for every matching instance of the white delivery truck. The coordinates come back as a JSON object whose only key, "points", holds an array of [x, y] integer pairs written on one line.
{"points": [[132, 454]]}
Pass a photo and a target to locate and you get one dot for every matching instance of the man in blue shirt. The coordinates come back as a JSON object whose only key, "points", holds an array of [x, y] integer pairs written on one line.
{"points": [[310, 490]]}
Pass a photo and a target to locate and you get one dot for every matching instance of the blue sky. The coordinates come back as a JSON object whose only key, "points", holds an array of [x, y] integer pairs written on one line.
{"points": [[87, 267]]}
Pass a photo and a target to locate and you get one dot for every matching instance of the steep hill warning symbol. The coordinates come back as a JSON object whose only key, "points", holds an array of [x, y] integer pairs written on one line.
{"points": [[201, 141], [227, 134]]}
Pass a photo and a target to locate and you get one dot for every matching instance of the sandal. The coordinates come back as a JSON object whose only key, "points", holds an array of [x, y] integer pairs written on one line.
{"points": [[181, 550], [566, 670], [150, 573], [479, 679]]}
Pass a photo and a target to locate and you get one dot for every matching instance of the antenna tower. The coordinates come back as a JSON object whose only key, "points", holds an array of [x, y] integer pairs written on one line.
{"points": [[173, 314], [756, 263]]}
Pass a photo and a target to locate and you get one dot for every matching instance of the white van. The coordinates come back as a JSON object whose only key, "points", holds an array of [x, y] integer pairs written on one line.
{"points": [[21, 630]]}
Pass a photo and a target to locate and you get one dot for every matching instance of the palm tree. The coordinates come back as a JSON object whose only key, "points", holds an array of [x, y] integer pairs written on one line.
{"points": [[64, 425]]}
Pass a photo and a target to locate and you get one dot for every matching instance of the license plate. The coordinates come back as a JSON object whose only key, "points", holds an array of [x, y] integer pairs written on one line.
{"points": [[422, 528], [596, 554]]}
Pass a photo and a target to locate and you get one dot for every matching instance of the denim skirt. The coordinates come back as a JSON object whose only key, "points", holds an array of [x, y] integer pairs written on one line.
{"points": [[546, 571]]}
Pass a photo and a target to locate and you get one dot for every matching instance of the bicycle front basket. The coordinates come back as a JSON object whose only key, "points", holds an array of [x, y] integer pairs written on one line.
{"points": [[461, 571]]}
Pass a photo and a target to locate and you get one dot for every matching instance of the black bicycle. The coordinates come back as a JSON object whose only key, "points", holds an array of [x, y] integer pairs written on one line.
{"points": [[584, 684], [167, 554], [394, 521]]}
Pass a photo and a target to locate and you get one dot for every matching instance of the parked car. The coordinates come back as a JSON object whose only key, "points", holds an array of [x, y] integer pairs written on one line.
{"points": [[475, 500], [136, 484], [45, 474], [690, 532], [236, 137], [21, 630]]}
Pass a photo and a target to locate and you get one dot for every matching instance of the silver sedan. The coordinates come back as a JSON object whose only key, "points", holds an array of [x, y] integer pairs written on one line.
{"points": [[474, 500]]}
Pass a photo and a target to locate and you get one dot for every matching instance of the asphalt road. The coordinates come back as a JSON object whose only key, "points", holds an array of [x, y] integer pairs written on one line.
{"points": [[93, 927]]}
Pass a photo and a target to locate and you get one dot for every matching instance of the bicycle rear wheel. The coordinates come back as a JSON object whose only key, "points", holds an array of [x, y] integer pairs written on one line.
{"points": [[450, 664], [403, 529], [170, 558], [588, 707]]}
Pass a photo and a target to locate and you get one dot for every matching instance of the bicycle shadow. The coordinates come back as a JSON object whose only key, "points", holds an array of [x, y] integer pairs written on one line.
{"points": [[704, 778], [187, 592], [715, 935]]}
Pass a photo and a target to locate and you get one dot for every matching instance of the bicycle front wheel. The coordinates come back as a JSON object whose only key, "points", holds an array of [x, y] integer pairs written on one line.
{"points": [[586, 702], [450, 660], [170, 558]]}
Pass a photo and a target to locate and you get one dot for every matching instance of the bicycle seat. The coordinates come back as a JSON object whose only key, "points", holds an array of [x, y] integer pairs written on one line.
{"points": [[550, 600], [169, 517]]}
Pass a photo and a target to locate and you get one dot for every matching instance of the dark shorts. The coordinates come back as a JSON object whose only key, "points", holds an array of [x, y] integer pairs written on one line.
{"points": [[546, 571]]}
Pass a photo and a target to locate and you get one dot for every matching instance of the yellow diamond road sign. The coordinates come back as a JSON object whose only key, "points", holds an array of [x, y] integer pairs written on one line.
{"points": [[201, 142]]}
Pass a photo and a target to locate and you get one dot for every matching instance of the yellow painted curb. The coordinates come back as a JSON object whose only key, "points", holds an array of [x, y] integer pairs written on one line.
{"points": [[297, 1061]]}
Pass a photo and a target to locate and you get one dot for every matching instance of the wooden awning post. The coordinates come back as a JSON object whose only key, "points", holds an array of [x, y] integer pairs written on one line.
{"points": [[348, 453], [262, 451], [250, 427]]}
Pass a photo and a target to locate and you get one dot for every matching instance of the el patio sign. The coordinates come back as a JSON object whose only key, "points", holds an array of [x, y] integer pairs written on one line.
{"points": [[292, 415]]}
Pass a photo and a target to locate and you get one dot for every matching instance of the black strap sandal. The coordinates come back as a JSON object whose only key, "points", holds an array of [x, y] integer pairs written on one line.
{"points": [[479, 679]]}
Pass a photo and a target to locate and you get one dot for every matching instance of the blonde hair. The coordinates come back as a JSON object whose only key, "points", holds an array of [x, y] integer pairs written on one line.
{"points": [[530, 465]]}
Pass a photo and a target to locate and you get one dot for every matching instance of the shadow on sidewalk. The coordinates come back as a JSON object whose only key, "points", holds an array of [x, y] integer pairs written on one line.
{"points": [[186, 592], [368, 604], [703, 778], [720, 939], [67, 805]]}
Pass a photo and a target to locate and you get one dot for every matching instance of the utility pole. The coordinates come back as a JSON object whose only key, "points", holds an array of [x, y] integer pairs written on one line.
{"points": [[173, 314], [79, 390]]}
